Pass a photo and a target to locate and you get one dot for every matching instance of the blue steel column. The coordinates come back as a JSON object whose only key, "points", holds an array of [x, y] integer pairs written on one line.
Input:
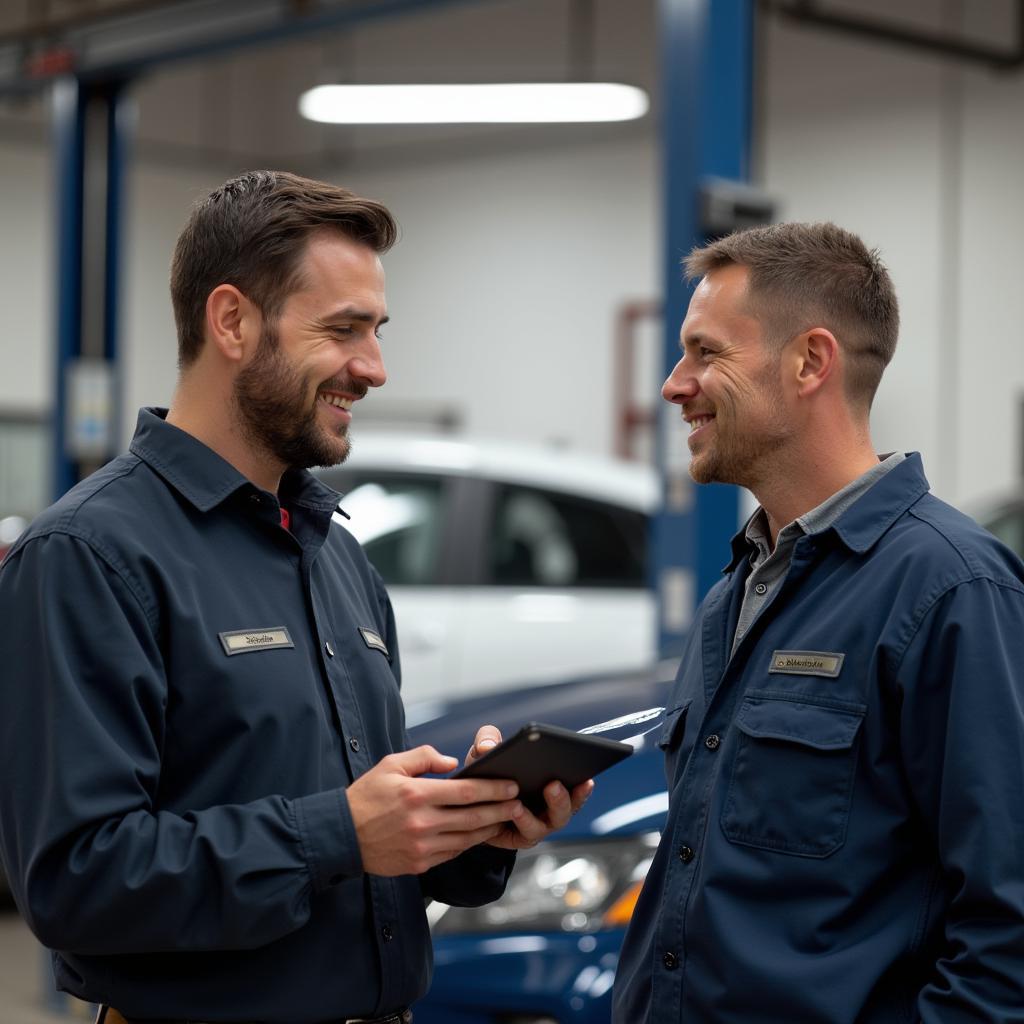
{"points": [[120, 129], [69, 102], [77, 135], [706, 106]]}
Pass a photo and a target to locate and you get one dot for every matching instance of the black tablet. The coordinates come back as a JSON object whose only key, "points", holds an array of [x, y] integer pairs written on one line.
{"points": [[539, 754]]}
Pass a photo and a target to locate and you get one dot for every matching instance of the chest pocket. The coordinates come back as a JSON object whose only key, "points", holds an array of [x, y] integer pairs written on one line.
{"points": [[671, 739], [792, 775]]}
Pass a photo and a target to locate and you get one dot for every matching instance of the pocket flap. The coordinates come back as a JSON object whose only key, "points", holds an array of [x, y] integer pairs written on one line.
{"points": [[813, 725], [672, 719]]}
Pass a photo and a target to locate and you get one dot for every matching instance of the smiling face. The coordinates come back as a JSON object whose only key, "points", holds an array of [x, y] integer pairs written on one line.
{"points": [[728, 386], [293, 400]]}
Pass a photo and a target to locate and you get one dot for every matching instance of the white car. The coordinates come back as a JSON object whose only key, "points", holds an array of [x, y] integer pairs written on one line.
{"points": [[506, 564]]}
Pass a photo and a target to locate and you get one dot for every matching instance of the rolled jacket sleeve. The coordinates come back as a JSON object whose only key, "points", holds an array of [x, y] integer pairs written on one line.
{"points": [[962, 733], [472, 879], [94, 865]]}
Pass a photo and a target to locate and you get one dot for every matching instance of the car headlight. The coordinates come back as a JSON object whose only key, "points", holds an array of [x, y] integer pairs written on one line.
{"points": [[567, 886]]}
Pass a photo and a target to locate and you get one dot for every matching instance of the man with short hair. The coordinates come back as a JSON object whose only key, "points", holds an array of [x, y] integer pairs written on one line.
{"points": [[209, 811], [845, 739]]}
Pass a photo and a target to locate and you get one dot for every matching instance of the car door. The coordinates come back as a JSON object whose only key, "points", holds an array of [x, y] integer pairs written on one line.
{"points": [[562, 591], [403, 520]]}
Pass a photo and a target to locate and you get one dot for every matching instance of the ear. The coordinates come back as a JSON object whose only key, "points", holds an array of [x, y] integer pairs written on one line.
{"points": [[232, 323], [817, 353]]}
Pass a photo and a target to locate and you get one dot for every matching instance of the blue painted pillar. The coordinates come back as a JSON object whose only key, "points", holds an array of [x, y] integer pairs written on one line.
{"points": [[92, 122], [69, 105], [707, 56]]}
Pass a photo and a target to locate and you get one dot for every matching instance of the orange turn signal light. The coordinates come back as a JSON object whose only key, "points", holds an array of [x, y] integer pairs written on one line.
{"points": [[619, 913]]}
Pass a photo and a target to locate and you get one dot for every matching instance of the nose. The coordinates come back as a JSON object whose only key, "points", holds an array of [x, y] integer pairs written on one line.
{"points": [[680, 385], [367, 365]]}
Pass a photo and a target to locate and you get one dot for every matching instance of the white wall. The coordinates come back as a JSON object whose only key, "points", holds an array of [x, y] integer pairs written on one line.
{"points": [[27, 313], [922, 157], [504, 286]]}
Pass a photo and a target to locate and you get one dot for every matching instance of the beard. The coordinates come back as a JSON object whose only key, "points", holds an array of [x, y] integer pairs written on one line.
{"points": [[744, 446], [272, 406]]}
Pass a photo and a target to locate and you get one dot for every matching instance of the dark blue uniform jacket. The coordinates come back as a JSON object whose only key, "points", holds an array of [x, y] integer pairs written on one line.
{"points": [[845, 840], [187, 691]]}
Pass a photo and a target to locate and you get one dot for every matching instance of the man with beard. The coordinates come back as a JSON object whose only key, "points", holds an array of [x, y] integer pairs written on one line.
{"points": [[209, 810], [845, 740]]}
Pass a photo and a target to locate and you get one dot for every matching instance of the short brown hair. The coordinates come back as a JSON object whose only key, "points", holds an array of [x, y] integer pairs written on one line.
{"points": [[806, 275], [251, 233]]}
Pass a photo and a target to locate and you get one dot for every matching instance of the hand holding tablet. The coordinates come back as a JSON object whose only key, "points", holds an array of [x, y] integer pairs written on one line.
{"points": [[538, 754]]}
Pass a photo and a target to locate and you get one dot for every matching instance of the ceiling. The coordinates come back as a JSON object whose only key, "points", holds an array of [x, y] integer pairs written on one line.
{"points": [[237, 107]]}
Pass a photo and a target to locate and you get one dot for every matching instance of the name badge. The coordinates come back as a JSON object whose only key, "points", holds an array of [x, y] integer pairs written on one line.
{"points": [[807, 663], [373, 641], [242, 641]]}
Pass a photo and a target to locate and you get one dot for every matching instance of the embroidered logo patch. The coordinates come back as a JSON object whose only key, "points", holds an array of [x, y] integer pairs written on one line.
{"points": [[242, 641], [807, 663], [373, 641]]}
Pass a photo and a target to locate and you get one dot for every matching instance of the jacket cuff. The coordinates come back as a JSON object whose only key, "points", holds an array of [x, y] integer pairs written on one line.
{"points": [[328, 837]]}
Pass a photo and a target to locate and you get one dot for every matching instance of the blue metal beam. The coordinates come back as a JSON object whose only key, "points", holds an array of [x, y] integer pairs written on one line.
{"points": [[69, 155], [120, 130], [706, 110], [126, 47]]}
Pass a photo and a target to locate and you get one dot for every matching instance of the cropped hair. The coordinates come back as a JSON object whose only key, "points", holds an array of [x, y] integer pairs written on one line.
{"points": [[251, 232], [815, 275]]}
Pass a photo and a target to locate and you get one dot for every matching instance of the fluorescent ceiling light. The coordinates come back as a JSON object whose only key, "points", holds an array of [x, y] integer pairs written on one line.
{"points": [[473, 104]]}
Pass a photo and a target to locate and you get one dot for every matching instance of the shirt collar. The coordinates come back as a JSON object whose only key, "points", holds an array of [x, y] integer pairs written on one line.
{"points": [[205, 479], [858, 513]]}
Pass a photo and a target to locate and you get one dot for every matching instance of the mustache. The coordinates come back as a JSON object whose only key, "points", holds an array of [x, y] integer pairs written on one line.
{"points": [[346, 384]]}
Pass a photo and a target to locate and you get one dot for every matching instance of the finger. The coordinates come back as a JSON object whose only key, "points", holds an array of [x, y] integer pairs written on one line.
{"points": [[559, 805], [557, 813], [465, 841], [530, 828], [458, 792], [487, 738], [469, 819], [581, 794], [419, 761]]}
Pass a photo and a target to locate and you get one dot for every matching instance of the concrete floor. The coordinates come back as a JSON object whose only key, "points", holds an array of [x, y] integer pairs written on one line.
{"points": [[22, 997]]}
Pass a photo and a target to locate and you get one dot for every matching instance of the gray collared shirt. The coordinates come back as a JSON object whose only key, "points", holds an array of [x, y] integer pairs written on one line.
{"points": [[769, 567]]}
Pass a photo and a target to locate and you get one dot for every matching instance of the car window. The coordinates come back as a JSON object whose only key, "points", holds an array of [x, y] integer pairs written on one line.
{"points": [[397, 519], [541, 538]]}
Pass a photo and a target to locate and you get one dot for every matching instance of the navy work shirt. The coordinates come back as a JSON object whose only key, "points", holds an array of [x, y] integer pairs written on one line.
{"points": [[845, 839], [188, 689]]}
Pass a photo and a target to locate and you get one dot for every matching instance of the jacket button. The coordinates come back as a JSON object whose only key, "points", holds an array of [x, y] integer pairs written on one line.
{"points": [[685, 854], [329, 649], [354, 744], [387, 933], [760, 588], [670, 960], [712, 742]]}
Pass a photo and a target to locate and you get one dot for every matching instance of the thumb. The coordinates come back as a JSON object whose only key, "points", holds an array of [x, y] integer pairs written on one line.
{"points": [[421, 760]]}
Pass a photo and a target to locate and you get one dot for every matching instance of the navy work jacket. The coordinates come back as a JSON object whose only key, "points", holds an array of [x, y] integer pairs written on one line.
{"points": [[845, 838], [187, 691]]}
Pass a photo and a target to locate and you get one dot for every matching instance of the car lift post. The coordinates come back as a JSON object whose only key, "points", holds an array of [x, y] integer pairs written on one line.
{"points": [[706, 95]]}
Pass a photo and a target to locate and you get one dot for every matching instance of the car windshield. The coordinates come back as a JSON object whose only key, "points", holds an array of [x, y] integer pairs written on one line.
{"points": [[398, 522]]}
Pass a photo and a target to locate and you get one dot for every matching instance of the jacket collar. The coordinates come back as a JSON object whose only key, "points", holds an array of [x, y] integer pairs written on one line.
{"points": [[205, 479], [862, 525]]}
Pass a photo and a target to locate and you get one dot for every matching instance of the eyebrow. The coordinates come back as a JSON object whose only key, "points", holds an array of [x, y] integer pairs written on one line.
{"points": [[353, 313], [692, 339]]}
